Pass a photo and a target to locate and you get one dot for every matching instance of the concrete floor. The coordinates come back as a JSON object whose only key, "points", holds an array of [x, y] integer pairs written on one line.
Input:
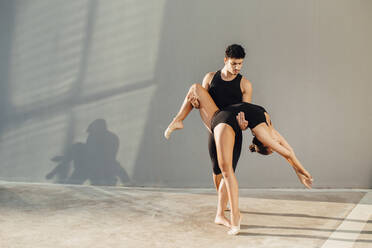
{"points": [[50, 215]]}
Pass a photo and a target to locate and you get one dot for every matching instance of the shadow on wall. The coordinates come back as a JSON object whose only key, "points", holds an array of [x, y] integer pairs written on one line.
{"points": [[39, 98], [94, 160]]}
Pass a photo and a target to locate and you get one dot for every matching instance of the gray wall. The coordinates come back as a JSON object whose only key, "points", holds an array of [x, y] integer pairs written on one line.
{"points": [[88, 87]]}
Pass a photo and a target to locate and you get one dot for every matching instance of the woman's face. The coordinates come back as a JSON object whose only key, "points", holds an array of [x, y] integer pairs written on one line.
{"points": [[269, 150]]}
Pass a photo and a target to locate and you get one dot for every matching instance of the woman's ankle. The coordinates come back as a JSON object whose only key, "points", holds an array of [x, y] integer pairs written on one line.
{"points": [[235, 216], [220, 212], [235, 213], [177, 119]]}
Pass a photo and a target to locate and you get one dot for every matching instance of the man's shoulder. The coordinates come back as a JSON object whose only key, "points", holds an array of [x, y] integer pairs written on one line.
{"points": [[245, 82], [210, 75], [208, 79]]}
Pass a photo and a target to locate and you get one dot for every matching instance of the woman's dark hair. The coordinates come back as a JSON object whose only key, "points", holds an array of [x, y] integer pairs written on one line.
{"points": [[235, 51], [261, 148]]}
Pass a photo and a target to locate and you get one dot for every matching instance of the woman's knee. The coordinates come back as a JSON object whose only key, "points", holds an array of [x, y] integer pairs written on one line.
{"points": [[196, 88], [193, 89], [227, 174], [194, 93], [226, 169]]}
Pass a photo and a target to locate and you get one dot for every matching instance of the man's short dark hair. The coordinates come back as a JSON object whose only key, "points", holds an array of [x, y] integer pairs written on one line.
{"points": [[235, 51]]}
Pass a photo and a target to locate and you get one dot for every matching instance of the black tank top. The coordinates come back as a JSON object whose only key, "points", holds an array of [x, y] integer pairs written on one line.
{"points": [[225, 93]]}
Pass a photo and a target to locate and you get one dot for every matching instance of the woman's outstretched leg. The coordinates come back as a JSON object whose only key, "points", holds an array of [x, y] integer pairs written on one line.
{"points": [[225, 138], [207, 108]]}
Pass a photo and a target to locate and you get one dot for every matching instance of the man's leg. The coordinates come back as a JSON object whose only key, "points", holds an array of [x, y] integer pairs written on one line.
{"points": [[222, 201], [217, 178]]}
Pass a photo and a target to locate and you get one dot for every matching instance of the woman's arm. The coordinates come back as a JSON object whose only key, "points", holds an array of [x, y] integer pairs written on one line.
{"points": [[292, 160], [282, 147], [263, 134]]}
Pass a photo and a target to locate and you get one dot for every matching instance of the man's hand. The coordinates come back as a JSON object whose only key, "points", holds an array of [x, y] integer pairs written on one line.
{"points": [[194, 102], [243, 123]]}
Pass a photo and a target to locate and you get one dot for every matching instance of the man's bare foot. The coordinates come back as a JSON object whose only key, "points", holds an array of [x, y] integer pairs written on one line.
{"points": [[222, 220], [175, 124]]}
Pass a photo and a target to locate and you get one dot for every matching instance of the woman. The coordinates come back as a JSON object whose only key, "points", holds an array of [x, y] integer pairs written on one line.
{"points": [[223, 124]]}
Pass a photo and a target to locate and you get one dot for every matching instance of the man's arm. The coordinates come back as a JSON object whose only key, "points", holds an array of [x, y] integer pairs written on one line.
{"points": [[207, 80], [246, 88]]}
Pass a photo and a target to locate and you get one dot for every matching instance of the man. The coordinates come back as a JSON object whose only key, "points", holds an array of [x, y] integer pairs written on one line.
{"points": [[227, 87]]}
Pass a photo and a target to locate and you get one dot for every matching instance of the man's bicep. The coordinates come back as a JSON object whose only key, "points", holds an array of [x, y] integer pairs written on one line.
{"points": [[247, 91], [247, 98]]}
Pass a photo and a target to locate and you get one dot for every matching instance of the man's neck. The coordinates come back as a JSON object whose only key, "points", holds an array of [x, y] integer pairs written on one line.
{"points": [[227, 75]]}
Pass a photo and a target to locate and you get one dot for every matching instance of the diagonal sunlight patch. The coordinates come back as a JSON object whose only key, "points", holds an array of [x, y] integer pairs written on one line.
{"points": [[46, 51]]}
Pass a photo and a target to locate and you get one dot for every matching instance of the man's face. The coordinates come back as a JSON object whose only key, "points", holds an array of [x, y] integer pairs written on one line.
{"points": [[233, 65]]}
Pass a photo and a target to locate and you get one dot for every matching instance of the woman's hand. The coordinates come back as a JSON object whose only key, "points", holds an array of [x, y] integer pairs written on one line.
{"points": [[305, 178]]}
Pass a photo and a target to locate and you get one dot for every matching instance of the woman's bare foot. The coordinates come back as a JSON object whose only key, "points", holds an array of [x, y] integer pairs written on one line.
{"points": [[222, 220], [234, 230], [175, 124]]}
